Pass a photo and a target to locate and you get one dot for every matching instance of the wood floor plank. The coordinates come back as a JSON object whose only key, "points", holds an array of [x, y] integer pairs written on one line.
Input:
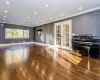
{"points": [[34, 62]]}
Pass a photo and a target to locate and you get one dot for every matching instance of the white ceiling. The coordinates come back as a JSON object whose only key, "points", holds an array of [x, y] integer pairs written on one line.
{"points": [[19, 10]]}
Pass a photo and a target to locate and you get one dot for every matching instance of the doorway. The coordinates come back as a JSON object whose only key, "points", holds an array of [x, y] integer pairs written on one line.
{"points": [[63, 34]]}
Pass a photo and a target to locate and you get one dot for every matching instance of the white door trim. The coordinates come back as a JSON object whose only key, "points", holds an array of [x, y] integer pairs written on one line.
{"points": [[70, 28], [55, 34]]}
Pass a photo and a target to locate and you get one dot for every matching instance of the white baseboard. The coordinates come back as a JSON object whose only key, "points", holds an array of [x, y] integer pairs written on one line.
{"points": [[43, 44], [50, 46], [25, 43], [12, 44]]}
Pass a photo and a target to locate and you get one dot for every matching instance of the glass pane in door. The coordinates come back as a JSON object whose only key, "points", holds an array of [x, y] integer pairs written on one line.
{"points": [[66, 35], [58, 35]]}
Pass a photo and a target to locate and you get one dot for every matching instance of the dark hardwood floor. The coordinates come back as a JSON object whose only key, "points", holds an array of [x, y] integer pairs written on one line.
{"points": [[33, 62]]}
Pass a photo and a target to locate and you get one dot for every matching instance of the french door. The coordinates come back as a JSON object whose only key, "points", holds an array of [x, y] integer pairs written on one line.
{"points": [[62, 34]]}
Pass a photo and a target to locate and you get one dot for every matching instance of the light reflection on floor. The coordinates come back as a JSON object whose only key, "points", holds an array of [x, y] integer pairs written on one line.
{"points": [[16, 54], [46, 63]]}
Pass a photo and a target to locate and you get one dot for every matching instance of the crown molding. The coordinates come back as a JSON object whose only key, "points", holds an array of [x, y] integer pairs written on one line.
{"points": [[14, 24], [80, 13], [77, 14]]}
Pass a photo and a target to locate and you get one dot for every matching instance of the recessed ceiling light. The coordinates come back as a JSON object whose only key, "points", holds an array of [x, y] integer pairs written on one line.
{"points": [[46, 5], [24, 20], [4, 16], [7, 2], [62, 14], [50, 18], [37, 23], [28, 17], [6, 11], [2, 25], [4, 19], [80, 8], [35, 12]]}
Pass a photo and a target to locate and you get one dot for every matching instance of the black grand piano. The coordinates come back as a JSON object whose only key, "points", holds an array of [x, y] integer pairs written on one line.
{"points": [[86, 44]]}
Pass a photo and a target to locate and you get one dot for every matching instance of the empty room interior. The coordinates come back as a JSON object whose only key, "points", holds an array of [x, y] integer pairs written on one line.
{"points": [[49, 39]]}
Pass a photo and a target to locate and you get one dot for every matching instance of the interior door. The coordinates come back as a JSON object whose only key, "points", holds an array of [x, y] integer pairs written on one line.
{"points": [[58, 35], [67, 40], [63, 34]]}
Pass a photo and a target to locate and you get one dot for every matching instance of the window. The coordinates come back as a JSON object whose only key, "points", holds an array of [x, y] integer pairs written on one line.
{"points": [[26, 33], [39, 32], [16, 33], [8, 33]]}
